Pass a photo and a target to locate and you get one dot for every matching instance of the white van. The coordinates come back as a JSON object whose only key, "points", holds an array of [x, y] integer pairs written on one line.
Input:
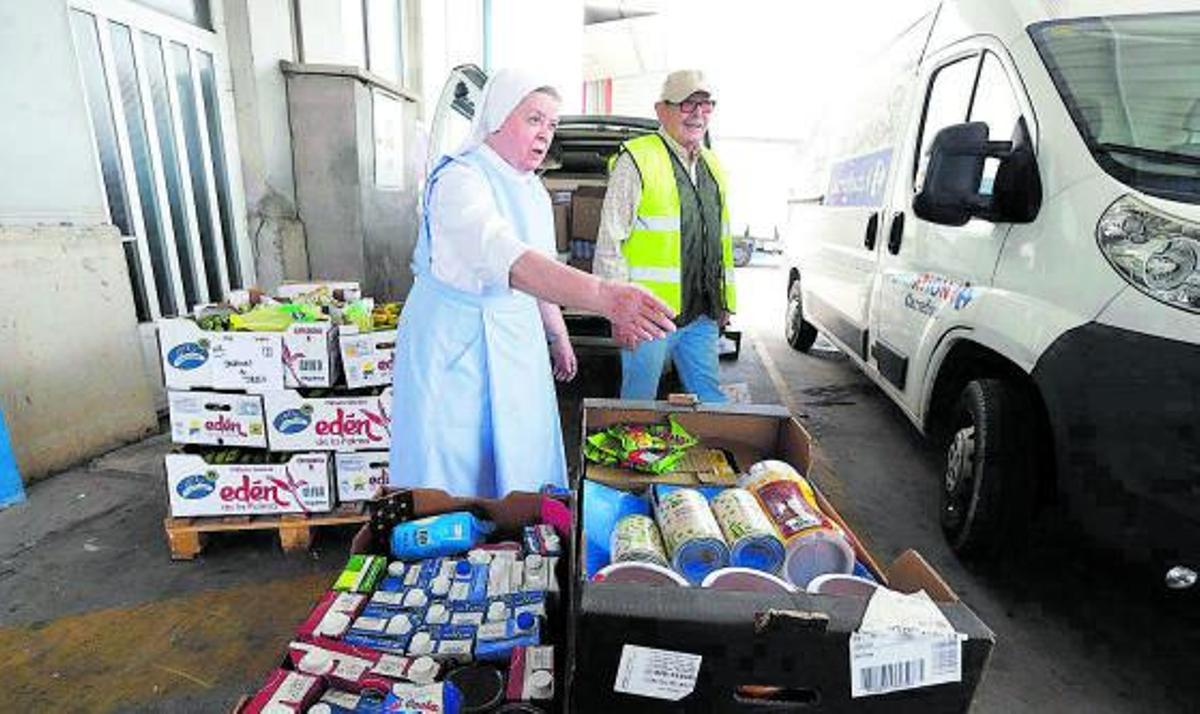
{"points": [[1008, 244]]}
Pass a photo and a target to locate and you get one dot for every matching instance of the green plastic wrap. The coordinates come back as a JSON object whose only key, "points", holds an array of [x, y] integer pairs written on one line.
{"points": [[650, 448]]}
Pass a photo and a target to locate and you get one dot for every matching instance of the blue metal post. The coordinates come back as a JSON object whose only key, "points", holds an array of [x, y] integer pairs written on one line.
{"points": [[11, 489]]}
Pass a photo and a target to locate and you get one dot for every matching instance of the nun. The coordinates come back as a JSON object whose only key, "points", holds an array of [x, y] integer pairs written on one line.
{"points": [[482, 336]]}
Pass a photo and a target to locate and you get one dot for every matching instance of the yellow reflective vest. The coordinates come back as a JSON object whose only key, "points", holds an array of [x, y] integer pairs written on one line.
{"points": [[654, 246]]}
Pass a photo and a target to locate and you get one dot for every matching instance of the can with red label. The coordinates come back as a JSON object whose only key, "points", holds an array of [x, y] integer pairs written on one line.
{"points": [[815, 545]]}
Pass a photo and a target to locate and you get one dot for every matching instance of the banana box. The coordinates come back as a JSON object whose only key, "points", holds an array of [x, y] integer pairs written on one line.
{"points": [[196, 487], [366, 356], [360, 474]]}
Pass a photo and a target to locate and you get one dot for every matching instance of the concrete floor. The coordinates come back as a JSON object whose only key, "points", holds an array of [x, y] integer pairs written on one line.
{"points": [[96, 617]]}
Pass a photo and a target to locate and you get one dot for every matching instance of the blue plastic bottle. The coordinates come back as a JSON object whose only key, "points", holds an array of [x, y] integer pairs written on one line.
{"points": [[436, 536]]}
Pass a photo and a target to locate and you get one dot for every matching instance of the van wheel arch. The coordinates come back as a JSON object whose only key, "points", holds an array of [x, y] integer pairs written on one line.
{"points": [[970, 378]]}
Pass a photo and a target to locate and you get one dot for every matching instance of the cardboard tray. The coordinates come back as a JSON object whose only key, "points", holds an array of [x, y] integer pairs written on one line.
{"points": [[795, 645]]}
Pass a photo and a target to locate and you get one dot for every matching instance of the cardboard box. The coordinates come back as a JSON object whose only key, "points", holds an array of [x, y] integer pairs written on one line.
{"points": [[297, 423], [585, 212], [285, 691], [562, 226], [745, 651], [366, 356], [342, 290], [303, 355], [217, 419], [198, 488], [360, 474]]}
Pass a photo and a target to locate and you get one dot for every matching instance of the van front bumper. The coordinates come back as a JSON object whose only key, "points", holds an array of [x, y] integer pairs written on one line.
{"points": [[1124, 409]]}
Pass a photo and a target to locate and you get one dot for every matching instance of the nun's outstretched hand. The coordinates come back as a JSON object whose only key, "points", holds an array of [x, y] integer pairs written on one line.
{"points": [[636, 314]]}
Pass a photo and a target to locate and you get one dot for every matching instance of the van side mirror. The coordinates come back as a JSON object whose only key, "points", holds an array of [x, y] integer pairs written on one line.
{"points": [[951, 192]]}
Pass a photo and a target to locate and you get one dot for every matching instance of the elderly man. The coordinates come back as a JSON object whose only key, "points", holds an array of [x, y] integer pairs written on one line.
{"points": [[665, 226]]}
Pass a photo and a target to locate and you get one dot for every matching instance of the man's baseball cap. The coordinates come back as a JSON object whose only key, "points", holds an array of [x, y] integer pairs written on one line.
{"points": [[682, 84]]}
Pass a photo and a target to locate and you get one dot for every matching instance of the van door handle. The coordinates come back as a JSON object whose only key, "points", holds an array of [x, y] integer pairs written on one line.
{"points": [[896, 235], [872, 231]]}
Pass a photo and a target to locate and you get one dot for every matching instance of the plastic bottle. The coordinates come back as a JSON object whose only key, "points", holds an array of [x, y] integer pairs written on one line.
{"points": [[436, 536]]}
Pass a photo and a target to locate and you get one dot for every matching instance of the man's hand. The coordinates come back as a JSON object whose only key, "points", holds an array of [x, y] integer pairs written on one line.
{"points": [[636, 314], [562, 358], [723, 319]]}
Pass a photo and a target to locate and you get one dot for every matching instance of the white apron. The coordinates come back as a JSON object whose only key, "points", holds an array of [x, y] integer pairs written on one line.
{"points": [[475, 412]]}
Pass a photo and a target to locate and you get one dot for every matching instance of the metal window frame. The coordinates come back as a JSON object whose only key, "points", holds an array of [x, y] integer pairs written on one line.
{"points": [[141, 19]]}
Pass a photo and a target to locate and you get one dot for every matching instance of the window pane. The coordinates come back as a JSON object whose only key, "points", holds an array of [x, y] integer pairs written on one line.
{"points": [[216, 143], [949, 99], [995, 102], [134, 263], [383, 39], [87, 44], [161, 101], [195, 156], [139, 147], [996, 106], [194, 11]]}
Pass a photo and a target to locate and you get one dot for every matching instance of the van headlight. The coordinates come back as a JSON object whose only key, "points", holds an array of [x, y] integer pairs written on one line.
{"points": [[1157, 253]]}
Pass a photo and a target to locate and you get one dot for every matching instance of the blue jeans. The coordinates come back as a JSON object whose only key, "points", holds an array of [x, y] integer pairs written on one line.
{"points": [[694, 351]]}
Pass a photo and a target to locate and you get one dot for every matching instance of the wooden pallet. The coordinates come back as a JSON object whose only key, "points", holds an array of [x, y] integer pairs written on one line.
{"points": [[186, 536]]}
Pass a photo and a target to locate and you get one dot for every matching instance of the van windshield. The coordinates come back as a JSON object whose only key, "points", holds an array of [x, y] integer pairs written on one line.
{"points": [[1132, 85]]}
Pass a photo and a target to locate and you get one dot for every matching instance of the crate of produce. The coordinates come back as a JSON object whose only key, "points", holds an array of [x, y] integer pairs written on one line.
{"points": [[217, 418], [327, 421], [238, 482], [205, 354], [360, 475]]}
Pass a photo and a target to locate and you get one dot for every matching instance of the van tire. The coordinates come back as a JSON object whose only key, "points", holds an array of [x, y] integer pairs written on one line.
{"points": [[987, 492], [800, 334]]}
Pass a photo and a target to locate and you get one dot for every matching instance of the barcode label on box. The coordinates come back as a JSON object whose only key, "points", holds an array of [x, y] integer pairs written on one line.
{"points": [[313, 492], [659, 674], [312, 365], [892, 662]]}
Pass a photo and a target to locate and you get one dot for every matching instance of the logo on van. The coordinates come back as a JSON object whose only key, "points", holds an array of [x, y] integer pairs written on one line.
{"points": [[197, 486], [188, 355], [293, 421], [929, 291]]}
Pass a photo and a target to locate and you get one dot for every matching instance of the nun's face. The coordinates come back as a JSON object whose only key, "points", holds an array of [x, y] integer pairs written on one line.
{"points": [[524, 137]]}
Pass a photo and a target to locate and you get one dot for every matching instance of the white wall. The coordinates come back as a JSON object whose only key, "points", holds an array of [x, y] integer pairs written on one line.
{"points": [[48, 169], [72, 379], [546, 35]]}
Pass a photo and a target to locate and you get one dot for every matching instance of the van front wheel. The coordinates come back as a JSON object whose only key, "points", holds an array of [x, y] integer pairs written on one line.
{"points": [[988, 485], [800, 334]]}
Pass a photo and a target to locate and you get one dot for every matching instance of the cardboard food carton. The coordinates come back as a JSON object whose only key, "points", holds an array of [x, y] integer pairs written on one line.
{"points": [[360, 474], [585, 212], [726, 651], [198, 488], [303, 355], [366, 356], [342, 290], [217, 419], [355, 422]]}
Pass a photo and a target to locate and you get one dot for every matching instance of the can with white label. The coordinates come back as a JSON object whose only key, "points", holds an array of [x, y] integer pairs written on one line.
{"points": [[691, 534], [637, 538]]}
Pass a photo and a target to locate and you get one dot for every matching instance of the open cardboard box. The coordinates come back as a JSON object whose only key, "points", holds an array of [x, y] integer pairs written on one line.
{"points": [[759, 651]]}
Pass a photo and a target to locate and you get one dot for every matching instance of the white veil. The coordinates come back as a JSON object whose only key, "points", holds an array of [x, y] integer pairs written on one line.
{"points": [[502, 93]]}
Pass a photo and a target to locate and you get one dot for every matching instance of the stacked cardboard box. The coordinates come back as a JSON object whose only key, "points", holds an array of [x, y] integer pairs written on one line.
{"points": [[269, 422]]}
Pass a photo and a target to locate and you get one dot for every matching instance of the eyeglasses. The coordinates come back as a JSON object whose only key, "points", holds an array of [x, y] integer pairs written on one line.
{"points": [[689, 106]]}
